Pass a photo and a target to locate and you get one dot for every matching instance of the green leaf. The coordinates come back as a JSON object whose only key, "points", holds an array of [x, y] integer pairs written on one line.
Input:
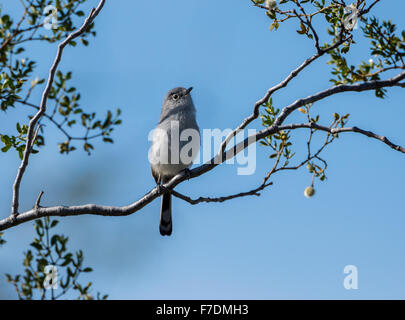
{"points": [[107, 139], [54, 223]]}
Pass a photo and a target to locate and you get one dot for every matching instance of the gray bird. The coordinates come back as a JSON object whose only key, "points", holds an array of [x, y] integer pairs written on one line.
{"points": [[176, 134]]}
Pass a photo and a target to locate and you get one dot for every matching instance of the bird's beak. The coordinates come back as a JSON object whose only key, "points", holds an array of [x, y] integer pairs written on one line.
{"points": [[189, 90]]}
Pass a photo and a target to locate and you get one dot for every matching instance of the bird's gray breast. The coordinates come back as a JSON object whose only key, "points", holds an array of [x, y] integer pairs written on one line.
{"points": [[176, 142]]}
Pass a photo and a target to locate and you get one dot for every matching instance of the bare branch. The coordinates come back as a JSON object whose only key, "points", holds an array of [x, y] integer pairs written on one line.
{"points": [[63, 211], [59, 126], [254, 192], [309, 24], [365, 86], [369, 134], [30, 134], [273, 89], [37, 203], [365, 11]]}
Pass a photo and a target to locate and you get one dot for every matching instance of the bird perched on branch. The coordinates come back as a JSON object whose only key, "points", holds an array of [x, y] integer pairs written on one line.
{"points": [[175, 144]]}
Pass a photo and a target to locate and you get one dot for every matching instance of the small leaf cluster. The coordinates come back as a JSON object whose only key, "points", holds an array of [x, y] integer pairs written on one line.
{"points": [[387, 49], [18, 80], [316, 170], [14, 69], [12, 80], [279, 142], [67, 113], [315, 164], [290, 9], [51, 249], [386, 44], [66, 12], [18, 141]]}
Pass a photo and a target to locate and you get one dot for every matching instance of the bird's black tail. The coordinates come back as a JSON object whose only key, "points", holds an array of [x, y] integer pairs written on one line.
{"points": [[166, 215]]}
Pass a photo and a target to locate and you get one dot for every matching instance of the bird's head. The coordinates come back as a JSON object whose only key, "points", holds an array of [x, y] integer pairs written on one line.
{"points": [[177, 97]]}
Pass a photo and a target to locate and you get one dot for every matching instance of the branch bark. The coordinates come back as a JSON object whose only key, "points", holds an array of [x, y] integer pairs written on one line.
{"points": [[355, 129], [31, 128], [360, 87]]}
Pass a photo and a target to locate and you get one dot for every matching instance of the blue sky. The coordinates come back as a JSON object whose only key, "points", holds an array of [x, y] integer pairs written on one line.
{"points": [[277, 246]]}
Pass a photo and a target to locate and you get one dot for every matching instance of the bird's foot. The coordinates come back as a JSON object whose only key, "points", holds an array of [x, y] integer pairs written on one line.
{"points": [[160, 188]]}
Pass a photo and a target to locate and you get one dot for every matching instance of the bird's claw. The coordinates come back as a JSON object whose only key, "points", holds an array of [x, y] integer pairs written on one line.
{"points": [[161, 188]]}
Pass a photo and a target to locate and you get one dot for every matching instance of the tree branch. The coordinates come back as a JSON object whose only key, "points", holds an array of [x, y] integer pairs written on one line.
{"points": [[58, 125], [365, 86], [39, 211], [30, 134], [365, 11], [275, 88], [355, 129], [253, 192]]}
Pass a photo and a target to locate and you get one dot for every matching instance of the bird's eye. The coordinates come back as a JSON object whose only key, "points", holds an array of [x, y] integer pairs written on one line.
{"points": [[175, 97]]}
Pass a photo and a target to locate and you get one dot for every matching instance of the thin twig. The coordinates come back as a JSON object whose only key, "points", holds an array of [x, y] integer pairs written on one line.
{"points": [[38, 202], [254, 192]]}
